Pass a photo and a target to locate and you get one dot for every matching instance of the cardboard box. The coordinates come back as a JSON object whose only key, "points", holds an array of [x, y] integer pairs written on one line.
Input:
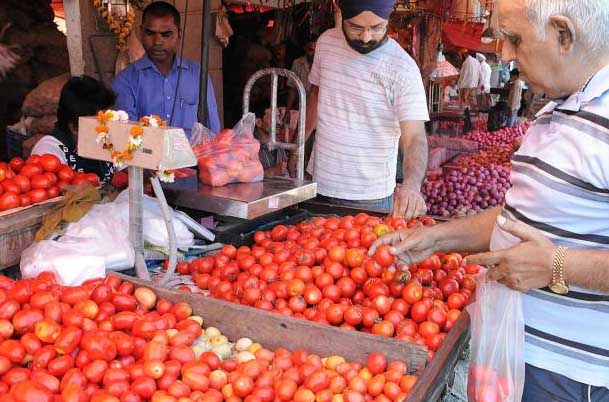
{"points": [[162, 146]]}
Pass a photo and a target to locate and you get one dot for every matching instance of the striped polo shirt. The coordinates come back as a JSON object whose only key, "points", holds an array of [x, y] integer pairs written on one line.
{"points": [[560, 183], [362, 100]]}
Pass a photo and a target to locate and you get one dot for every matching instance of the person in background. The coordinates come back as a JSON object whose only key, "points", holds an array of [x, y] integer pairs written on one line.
{"points": [[514, 96], [485, 74], [366, 100], [496, 71], [550, 240], [302, 68], [469, 80], [80, 96], [160, 82]]}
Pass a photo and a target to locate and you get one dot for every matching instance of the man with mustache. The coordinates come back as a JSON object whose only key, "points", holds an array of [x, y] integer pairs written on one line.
{"points": [[148, 86], [366, 99]]}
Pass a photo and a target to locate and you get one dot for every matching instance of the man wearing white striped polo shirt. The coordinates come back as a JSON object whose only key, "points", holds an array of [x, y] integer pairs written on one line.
{"points": [[366, 99], [551, 239]]}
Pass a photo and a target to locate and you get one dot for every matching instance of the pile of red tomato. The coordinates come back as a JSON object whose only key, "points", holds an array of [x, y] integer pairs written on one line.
{"points": [[105, 341], [37, 179], [320, 270]]}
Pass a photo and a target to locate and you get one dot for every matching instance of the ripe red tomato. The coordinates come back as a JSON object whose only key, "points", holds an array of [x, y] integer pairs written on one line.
{"points": [[9, 200], [383, 328], [49, 163], [9, 185], [65, 173], [383, 256], [30, 170], [419, 311], [376, 363], [412, 293], [38, 195], [53, 192], [16, 164], [23, 182], [448, 287], [40, 181]]}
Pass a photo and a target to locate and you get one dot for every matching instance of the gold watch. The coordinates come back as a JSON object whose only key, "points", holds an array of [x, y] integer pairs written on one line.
{"points": [[558, 284]]}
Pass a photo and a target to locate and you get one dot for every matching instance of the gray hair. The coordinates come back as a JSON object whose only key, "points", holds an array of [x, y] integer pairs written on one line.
{"points": [[591, 17]]}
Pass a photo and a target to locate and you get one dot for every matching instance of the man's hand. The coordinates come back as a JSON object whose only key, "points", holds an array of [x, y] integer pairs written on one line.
{"points": [[409, 245], [408, 203], [523, 267]]}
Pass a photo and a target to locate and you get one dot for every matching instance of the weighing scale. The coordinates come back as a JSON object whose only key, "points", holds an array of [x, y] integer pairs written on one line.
{"points": [[252, 200]]}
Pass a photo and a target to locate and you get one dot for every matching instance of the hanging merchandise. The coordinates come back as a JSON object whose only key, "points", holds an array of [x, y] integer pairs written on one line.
{"points": [[120, 18], [223, 29]]}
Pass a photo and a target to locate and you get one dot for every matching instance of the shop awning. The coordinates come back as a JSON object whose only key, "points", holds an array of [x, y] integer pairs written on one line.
{"points": [[468, 35]]}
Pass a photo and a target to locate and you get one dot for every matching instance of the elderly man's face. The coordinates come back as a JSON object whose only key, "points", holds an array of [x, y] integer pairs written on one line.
{"points": [[539, 60]]}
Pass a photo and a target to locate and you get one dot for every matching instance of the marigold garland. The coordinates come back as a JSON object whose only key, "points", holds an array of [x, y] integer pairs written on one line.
{"points": [[122, 29], [134, 142]]}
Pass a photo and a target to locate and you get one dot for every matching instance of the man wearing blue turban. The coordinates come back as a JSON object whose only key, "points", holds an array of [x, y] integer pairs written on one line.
{"points": [[366, 100]]}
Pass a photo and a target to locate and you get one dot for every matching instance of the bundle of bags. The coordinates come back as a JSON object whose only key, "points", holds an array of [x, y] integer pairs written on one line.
{"points": [[99, 242], [229, 157]]}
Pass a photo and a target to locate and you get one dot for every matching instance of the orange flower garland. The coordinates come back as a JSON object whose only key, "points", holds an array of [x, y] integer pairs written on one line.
{"points": [[122, 29], [134, 142]]}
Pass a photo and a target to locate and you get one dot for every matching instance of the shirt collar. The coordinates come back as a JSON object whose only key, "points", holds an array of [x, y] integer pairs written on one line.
{"points": [[595, 87], [145, 63]]}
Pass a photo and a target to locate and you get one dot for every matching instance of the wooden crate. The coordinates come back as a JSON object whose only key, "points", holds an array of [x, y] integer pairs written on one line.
{"points": [[18, 228], [275, 330]]}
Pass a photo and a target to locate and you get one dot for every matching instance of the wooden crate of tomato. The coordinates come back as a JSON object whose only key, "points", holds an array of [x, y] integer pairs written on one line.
{"points": [[319, 270]]}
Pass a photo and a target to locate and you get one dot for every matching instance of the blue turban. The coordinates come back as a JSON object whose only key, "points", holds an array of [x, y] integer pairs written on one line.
{"points": [[353, 8]]}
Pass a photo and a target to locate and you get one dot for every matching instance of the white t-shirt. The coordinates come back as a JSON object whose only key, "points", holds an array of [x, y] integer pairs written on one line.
{"points": [[485, 76], [50, 145], [560, 178], [362, 100], [469, 76]]}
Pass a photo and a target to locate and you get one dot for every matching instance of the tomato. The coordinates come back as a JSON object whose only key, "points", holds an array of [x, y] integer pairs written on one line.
{"points": [[279, 233], [30, 170], [49, 163], [60, 365], [383, 256], [383, 328], [30, 391], [38, 195], [24, 320], [68, 340], [25, 200], [412, 293], [23, 182], [419, 311], [448, 287], [40, 181], [456, 301], [428, 329], [12, 350], [354, 257], [376, 363], [53, 192], [16, 164], [9, 200]]}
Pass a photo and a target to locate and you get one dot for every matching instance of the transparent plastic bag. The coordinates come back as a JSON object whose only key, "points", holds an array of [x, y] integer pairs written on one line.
{"points": [[497, 365], [231, 156]]}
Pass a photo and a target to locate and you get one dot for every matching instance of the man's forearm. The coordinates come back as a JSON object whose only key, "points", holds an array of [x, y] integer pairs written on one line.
{"points": [[588, 269], [415, 152], [471, 234], [311, 119]]}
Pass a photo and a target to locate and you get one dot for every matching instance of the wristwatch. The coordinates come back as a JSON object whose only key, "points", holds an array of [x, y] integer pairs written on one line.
{"points": [[558, 284]]}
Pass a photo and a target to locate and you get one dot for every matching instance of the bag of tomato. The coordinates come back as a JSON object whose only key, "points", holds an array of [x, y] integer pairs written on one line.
{"points": [[231, 156]]}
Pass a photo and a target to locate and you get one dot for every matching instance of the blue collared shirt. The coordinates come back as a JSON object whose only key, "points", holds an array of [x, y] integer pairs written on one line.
{"points": [[142, 90]]}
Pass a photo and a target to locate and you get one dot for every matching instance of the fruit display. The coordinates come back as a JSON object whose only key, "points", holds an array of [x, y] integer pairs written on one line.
{"points": [[479, 124], [502, 137], [37, 179], [320, 270], [500, 156], [467, 190], [107, 341]]}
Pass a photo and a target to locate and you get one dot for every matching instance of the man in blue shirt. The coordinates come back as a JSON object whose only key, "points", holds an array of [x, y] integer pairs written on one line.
{"points": [[148, 86]]}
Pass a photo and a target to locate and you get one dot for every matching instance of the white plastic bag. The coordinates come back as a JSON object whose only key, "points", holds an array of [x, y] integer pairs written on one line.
{"points": [[155, 230], [497, 343], [70, 261]]}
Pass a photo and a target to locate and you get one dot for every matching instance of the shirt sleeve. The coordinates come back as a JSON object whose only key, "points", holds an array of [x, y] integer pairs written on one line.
{"points": [[213, 120], [410, 102], [125, 96], [49, 145]]}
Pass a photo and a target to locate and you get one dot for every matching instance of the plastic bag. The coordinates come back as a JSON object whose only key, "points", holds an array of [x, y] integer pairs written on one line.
{"points": [[231, 156], [497, 366]]}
